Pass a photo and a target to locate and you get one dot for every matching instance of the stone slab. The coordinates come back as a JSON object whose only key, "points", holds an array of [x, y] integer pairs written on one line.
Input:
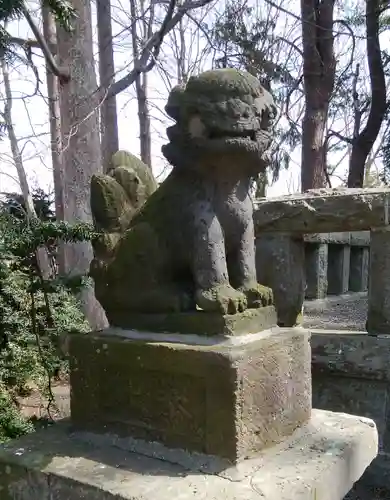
{"points": [[321, 461], [378, 314], [359, 265], [324, 211], [351, 354], [339, 257], [203, 323], [316, 270], [353, 238], [280, 264], [224, 397]]}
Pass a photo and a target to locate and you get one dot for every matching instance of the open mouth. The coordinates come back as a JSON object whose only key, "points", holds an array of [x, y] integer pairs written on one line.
{"points": [[223, 134]]}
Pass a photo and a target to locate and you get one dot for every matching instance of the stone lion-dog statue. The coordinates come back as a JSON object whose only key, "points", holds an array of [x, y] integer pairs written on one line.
{"points": [[188, 244]]}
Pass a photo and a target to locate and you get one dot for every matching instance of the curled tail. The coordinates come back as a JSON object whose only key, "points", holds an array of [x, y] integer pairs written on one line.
{"points": [[115, 197]]}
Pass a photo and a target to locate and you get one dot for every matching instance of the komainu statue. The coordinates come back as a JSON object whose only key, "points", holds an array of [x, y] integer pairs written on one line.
{"points": [[188, 244]]}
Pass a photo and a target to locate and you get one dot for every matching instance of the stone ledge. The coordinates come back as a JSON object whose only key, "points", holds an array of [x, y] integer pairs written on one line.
{"points": [[324, 211], [353, 238], [322, 460], [202, 323], [351, 354]]}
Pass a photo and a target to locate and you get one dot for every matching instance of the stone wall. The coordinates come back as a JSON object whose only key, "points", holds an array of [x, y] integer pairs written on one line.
{"points": [[351, 374], [311, 266], [336, 263]]}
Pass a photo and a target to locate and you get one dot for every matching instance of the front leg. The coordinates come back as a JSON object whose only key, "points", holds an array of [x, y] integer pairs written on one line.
{"points": [[213, 291], [242, 270]]}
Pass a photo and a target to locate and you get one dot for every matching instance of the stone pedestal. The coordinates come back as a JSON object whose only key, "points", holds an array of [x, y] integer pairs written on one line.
{"points": [[358, 274], [338, 269], [316, 256], [321, 461], [378, 316], [229, 397], [162, 416], [280, 263]]}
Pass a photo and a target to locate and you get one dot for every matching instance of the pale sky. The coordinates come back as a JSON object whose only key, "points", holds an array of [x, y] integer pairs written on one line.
{"points": [[30, 114]]}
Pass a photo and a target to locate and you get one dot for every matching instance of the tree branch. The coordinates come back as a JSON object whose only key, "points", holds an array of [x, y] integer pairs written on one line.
{"points": [[61, 73], [333, 133], [153, 45], [23, 42]]}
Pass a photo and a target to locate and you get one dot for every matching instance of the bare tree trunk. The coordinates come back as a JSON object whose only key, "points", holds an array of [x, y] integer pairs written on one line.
{"points": [[49, 33], [141, 81], [81, 153], [141, 84], [108, 117], [318, 74], [42, 256], [363, 142]]}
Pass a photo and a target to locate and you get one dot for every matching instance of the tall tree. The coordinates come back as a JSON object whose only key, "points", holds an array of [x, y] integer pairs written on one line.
{"points": [[319, 67], [108, 118], [363, 141], [138, 12], [50, 35], [41, 254], [79, 102]]}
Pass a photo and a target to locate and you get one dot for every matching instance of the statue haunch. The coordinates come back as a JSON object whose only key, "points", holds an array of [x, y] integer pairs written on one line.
{"points": [[191, 243]]}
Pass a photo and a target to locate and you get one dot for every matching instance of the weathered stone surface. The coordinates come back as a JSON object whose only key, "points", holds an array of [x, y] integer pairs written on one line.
{"points": [[322, 460], [357, 396], [337, 312], [280, 262], [324, 211], [229, 398], [316, 267], [351, 354], [358, 270], [351, 374], [170, 255], [360, 238], [338, 269], [342, 238], [378, 315], [201, 322]]}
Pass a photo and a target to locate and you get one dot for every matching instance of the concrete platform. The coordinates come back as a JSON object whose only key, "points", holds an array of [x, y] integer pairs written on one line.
{"points": [[321, 461]]}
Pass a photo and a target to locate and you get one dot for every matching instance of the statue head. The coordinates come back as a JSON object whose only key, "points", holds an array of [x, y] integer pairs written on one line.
{"points": [[223, 117]]}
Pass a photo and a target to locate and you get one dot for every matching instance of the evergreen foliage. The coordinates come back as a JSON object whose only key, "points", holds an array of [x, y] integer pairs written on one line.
{"points": [[34, 314]]}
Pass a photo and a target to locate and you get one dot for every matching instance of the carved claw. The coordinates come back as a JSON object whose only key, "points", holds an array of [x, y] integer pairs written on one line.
{"points": [[258, 295], [223, 299]]}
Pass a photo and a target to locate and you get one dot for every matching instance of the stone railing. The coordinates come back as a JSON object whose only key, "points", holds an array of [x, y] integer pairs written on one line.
{"points": [[336, 263], [351, 374], [298, 252]]}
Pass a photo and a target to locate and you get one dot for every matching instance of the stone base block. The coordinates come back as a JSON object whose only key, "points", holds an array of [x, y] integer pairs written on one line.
{"points": [[322, 460], [201, 322], [224, 397]]}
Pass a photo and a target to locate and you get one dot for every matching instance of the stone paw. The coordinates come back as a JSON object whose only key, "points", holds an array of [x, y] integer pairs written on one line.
{"points": [[257, 295], [223, 299]]}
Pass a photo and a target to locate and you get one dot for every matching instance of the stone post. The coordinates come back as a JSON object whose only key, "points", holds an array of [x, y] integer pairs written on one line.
{"points": [[280, 263], [378, 317], [316, 256], [338, 269], [359, 263]]}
